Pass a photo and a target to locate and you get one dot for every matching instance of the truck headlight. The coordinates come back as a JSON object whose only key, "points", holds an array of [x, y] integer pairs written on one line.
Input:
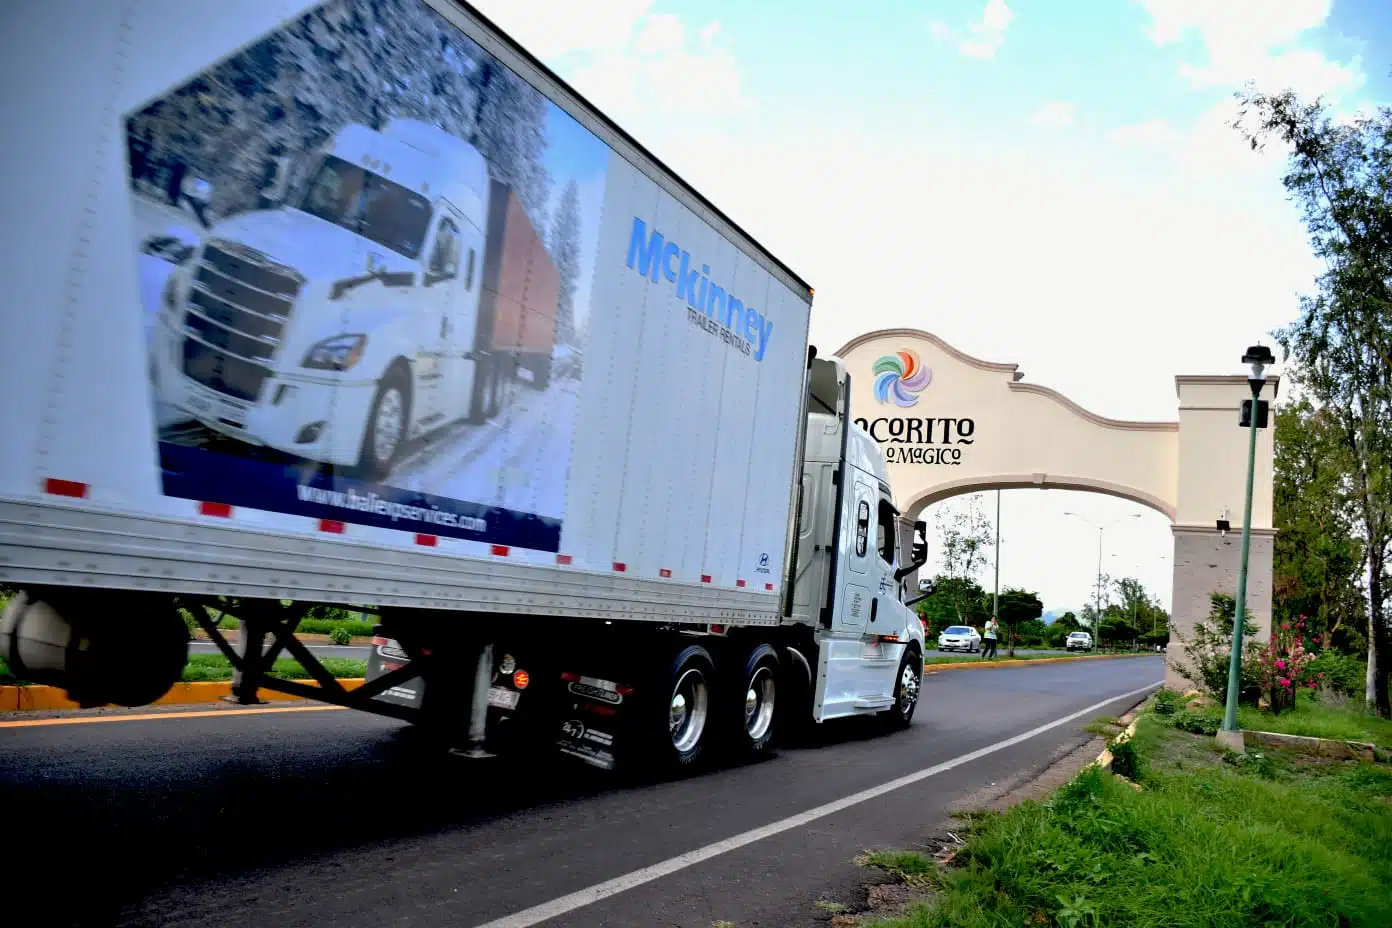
{"points": [[338, 353]]}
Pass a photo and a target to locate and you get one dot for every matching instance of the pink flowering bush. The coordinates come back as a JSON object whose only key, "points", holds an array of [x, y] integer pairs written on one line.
{"points": [[1284, 665]]}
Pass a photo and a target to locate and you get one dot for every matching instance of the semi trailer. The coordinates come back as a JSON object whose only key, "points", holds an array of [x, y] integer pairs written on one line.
{"points": [[682, 546]]}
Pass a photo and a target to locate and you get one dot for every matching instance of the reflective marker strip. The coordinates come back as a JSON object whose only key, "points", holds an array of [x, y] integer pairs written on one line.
{"points": [[739, 583], [563, 559], [768, 586], [428, 541], [500, 550], [620, 567], [332, 526], [219, 510], [664, 572], [705, 578], [71, 488]]}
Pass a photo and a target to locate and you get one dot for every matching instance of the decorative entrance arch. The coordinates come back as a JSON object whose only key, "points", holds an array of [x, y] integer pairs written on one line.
{"points": [[951, 424]]}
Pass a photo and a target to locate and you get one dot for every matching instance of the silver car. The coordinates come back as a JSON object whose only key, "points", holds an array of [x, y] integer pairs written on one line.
{"points": [[959, 638]]}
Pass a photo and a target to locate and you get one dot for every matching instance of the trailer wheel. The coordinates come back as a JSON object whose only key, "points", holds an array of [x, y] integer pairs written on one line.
{"points": [[751, 708], [676, 718], [388, 424], [541, 373], [906, 690]]}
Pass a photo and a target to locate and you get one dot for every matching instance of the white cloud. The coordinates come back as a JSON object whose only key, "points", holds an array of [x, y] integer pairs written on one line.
{"points": [[552, 28], [1055, 114], [983, 39], [1254, 40], [1152, 134], [629, 61]]}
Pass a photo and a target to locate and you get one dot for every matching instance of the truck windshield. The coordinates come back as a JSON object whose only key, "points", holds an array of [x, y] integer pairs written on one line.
{"points": [[368, 204]]}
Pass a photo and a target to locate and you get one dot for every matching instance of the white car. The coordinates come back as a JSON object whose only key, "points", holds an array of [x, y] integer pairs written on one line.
{"points": [[959, 638], [1078, 641]]}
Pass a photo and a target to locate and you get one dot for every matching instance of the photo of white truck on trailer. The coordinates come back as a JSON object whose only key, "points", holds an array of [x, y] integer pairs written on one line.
{"points": [[430, 336]]}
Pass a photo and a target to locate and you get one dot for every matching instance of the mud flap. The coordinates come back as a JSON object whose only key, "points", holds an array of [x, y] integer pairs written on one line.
{"points": [[590, 723]]}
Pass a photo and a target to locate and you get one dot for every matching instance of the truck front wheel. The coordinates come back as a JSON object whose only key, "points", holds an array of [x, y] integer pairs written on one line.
{"points": [[906, 689], [388, 423]]}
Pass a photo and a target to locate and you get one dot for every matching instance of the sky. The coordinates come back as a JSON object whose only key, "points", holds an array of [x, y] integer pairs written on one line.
{"points": [[1051, 184]]}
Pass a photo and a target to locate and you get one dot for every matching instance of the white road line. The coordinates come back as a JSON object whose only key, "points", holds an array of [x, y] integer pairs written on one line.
{"points": [[592, 894]]}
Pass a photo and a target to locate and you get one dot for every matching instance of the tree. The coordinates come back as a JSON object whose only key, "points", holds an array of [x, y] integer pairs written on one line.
{"points": [[1017, 606], [954, 601], [565, 251], [966, 536], [1318, 558], [1340, 173]]}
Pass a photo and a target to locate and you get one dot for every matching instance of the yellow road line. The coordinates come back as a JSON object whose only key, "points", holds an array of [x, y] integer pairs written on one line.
{"points": [[204, 714]]}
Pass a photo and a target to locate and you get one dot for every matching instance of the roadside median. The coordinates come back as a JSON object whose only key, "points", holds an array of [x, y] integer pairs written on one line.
{"points": [[52, 698]]}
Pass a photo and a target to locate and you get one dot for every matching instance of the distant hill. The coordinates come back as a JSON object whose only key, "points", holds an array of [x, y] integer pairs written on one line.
{"points": [[1053, 615]]}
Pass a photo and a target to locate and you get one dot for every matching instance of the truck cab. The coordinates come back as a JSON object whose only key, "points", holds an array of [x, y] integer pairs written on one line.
{"points": [[344, 323], [851, 567]]}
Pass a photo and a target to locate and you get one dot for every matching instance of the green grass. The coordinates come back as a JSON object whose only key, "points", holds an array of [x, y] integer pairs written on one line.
{"points": [[1274, 839], [214, 667]]}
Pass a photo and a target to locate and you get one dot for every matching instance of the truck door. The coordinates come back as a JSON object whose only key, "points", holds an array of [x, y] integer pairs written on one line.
{"points": [[858, 591], [440, 286], [459, 365]]}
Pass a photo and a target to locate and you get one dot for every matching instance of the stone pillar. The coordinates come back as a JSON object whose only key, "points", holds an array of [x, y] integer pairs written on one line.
{"points": [[1212, 479]]}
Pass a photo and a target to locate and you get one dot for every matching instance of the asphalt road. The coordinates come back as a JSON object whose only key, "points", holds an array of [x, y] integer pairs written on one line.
{"points": [[330, 817]]}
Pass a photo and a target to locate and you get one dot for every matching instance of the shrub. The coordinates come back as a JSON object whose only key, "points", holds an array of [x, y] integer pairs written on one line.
{"points": [[1284, 664], [1125, 760], [1210, 651], [1339, 673], [341, 635], [1196, 722]]}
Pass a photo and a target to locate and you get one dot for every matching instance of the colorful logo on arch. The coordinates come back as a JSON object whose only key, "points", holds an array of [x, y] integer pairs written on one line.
{"points": [[900, 377]]}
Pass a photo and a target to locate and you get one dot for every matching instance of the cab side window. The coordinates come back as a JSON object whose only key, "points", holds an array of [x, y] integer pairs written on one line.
{"points": [[444, 260], [885, 530]]}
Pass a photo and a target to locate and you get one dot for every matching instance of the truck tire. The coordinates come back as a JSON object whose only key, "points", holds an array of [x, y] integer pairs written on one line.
{"points": [[541, 373], [907, 685], [485, 390], [749, 705], [674, 727], [388, 425]]}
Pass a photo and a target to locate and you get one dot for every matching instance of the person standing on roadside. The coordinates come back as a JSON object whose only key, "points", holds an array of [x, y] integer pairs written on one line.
{"points": [[988, 639]]}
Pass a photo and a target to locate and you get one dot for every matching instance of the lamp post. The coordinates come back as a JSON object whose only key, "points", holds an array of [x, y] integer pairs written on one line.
{"points": [[1257, 357], [1097, 607]]}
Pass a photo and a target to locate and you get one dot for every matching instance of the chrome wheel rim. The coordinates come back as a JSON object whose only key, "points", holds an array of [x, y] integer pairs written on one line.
{"points": [[758, 704], [388, 424], [908, 691], [686, 718]]}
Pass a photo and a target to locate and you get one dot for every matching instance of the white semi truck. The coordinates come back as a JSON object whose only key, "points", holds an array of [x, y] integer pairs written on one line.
{"points": [[341, 327], [687, 544]]}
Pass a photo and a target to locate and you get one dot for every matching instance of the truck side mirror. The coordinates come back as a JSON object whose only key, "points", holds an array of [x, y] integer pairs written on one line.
{"points": [[920, 543], [928, 586]]}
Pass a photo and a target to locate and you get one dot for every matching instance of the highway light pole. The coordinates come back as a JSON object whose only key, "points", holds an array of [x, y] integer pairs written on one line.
{"points": [[1257, 357], [1097, 607]]}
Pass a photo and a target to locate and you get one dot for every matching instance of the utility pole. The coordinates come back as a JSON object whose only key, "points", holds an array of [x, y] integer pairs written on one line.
{"points": [[995, 597]]}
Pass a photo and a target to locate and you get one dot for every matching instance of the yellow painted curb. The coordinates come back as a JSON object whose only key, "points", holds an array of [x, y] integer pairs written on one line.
{"points": [[970, 665], [50, 698]]}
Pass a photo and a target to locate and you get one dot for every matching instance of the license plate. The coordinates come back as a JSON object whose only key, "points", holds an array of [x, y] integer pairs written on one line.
{"points": [[503, 698]]}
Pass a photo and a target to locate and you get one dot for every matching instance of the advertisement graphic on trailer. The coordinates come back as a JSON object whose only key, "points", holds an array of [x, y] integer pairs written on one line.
{"points": [[366, 250]]}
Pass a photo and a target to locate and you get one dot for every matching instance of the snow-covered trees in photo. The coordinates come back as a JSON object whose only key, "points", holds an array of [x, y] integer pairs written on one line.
{"points": [[564, 246], [347, 61]]}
